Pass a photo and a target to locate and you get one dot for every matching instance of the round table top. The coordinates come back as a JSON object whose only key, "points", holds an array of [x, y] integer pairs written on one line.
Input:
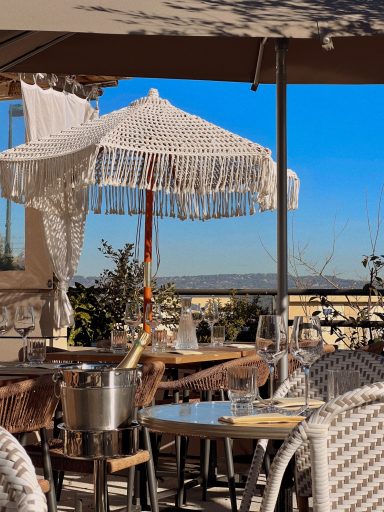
{"points": [[201, 420]]}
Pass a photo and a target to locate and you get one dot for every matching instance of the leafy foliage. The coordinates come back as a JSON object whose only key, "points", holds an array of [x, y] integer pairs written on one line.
{"points": [[100, 307], [123, 281], [92, 321], [360, 329], [239, 316]]}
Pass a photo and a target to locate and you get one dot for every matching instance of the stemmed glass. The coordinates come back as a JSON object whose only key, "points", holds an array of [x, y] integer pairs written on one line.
{"points": [[306, 346], [153, 315], [132, 316], [24, 323], [4, 320], [197, 314], [271, 345], [211, 313]]}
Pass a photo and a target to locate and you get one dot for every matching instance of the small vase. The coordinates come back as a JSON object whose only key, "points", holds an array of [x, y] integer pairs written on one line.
{"points": [[186, 334]]}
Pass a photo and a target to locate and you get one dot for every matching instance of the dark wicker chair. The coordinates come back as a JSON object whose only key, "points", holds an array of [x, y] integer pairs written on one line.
{"points": [[29, 406], [152, 373], [215, 378]]}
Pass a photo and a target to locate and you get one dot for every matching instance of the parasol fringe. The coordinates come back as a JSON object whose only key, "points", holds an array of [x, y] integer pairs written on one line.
{"points": [[106, 164]]}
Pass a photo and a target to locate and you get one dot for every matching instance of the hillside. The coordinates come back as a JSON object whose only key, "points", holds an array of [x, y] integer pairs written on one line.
{"points": [[238, 281]]}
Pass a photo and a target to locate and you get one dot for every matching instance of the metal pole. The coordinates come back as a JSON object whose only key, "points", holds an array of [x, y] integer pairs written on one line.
{"points": [[100, 495], [7, 245], [282, 301]]}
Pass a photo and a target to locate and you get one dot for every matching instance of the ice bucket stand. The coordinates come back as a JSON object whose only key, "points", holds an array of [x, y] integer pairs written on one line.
{"points": [[100, 445]]}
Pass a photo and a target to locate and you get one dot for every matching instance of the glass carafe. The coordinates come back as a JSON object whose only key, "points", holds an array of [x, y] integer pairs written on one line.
{"points": [[186, 334]]}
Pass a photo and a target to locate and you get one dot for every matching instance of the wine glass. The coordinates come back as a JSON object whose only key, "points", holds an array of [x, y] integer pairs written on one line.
{"points": [[197, 314], [132, 316], [4, 320], [24, 323], [153, 315], [271, 345], [306, 346], [211, 313]]}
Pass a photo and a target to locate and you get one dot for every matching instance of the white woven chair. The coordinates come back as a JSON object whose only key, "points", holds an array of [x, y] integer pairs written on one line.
{"points": [[346, 440], [371, 370], [19, 488]]}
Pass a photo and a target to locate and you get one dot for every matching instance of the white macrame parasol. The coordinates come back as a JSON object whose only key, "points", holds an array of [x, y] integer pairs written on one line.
{"points": [[187, 167]]}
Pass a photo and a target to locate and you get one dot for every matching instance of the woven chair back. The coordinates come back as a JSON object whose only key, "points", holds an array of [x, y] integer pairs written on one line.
{"points": [[19, 488], [371, 369], [370, 366], [28, 405], [215, 378], [346, 439], [152, 373]]}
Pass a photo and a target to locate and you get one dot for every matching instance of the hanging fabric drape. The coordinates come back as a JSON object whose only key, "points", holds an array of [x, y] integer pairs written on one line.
{"points": [[48, 112]]}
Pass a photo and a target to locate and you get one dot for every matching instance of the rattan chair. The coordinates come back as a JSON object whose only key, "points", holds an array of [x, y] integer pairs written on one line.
{"points": [[371, 370], [152, 373], [29, 406], [215, 378], [19, 487], [346, 441]]}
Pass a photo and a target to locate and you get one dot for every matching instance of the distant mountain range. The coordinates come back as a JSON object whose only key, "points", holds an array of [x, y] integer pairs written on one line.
{"points": [[239, 281]]}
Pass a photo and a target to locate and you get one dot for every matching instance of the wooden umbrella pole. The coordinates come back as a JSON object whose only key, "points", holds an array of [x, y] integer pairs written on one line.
{"points": [[148, 252]]}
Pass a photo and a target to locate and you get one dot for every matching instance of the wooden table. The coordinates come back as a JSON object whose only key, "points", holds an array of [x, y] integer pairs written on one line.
{"points": [[201, 420], [206, 354], [25, 372]]}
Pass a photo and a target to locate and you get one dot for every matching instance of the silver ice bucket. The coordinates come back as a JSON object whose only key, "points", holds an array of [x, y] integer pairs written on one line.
{"points": [[97, 396]]}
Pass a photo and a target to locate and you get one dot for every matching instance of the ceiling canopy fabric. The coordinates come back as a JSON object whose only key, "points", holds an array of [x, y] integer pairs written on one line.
{"points": [[198, 39]]}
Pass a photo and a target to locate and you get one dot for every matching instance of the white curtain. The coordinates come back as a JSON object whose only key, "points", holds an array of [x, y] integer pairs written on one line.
{"points": [[47, 112]]}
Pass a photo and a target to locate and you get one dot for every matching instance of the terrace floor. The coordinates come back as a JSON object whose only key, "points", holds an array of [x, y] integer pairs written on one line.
{"points": [[79, 488]]}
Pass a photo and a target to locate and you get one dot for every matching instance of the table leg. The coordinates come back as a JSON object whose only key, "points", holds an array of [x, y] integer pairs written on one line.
{"points": [[99, 482], [152, 483], [230, 473], [206, 449], [181, 472]]}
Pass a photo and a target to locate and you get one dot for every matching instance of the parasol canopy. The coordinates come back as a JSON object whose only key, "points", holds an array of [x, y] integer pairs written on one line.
{"points": [[195, 169], [151, 158]]}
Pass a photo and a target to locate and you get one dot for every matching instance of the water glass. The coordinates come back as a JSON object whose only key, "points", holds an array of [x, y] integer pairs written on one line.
{"points": [[4, 320], [342, 381], [171, 337], [36, 350], [218, 335], [242, 389], [118, 341], [159, 341]]}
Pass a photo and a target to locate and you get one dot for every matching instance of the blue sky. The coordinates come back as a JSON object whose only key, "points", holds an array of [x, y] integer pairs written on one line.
{"points": [[335, 144], [17, 211]]}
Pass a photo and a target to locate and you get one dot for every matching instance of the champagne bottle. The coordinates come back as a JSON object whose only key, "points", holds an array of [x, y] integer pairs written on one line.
{"points": [[133, 356]]}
